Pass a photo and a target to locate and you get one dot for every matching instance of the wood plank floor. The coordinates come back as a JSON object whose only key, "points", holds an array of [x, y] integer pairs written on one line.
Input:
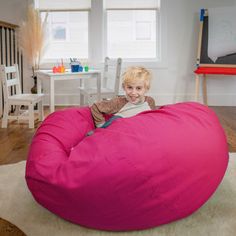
{"points": [[15, 140], [227, 117]]}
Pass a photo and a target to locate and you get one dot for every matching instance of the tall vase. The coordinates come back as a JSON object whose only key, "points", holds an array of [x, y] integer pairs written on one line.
{"points": [[34, 88]]}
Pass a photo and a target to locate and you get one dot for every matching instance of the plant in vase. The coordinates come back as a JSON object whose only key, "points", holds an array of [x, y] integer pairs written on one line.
{"points": [[32, 40]]}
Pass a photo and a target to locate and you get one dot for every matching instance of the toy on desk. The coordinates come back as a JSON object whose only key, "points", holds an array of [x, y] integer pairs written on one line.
{"points": [[86, 68], [62, 67], [75, 65], [59, 68], [55, 69]]}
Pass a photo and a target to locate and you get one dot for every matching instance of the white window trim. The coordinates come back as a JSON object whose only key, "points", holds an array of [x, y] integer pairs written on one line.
{"points": [[161, 37], [158, 45], [97, 60], [49, 63]]}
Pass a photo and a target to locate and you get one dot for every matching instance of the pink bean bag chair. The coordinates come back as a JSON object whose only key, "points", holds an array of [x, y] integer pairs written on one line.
{"points": [[140, 172]]}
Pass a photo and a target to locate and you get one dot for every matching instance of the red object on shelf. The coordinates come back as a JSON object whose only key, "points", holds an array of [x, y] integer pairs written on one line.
{"points": [[54, 69], [216, 70]]}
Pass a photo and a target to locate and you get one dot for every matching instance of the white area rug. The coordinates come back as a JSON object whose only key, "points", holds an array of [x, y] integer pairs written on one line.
{"points": [[216, 218]]}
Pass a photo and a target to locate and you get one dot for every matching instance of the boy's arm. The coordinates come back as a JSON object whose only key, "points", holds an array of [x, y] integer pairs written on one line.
{"points": [[151, 102], [106, 107]]}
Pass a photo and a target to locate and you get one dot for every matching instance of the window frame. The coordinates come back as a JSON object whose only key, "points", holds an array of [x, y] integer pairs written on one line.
{"points": [[45, 63], [97, 47], [158, 36]]}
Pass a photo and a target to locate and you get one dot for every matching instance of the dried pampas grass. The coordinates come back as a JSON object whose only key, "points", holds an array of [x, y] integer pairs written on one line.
{"points": [[32, 37]]}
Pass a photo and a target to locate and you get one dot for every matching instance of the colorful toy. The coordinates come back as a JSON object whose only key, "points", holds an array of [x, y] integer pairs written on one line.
{"points": [[62, 67], [59, 68], [86, 68], [55, 69]]}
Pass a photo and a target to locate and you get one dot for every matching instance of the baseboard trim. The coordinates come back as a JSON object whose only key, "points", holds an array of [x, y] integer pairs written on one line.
{"points": [[161, 99]]}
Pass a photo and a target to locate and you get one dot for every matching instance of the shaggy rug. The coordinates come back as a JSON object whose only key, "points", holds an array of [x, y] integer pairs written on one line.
{"points": [[216, 217]]}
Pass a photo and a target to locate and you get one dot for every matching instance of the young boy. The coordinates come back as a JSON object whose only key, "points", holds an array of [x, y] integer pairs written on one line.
{"points": [[135, 82]]}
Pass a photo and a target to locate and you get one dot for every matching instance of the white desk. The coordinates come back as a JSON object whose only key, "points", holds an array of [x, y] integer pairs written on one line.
{"points": [[68, 75]]}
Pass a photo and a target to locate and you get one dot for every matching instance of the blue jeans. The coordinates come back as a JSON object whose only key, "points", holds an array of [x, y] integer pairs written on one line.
{"points": [[108, 122], [105, 125]]}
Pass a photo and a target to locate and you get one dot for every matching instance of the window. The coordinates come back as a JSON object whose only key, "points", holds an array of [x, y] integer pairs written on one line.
{"points": [[83, 29], [67, 28], [132, 29], [67, 35]]}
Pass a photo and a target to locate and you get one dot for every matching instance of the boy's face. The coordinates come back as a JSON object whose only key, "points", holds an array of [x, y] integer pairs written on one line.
{"points": [[135, 91]]}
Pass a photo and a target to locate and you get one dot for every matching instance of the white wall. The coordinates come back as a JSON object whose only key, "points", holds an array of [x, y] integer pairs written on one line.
{"points": [[176, 82], [12, 11], [173, 79]]}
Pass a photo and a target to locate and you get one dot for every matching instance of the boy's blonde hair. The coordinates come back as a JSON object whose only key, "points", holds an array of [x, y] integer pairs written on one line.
{"points": [[136, 73]]}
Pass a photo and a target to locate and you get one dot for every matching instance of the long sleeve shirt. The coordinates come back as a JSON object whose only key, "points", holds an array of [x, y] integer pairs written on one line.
{"points": [[121, 106]]}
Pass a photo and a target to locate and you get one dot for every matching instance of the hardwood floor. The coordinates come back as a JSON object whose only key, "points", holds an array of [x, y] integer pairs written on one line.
{"points": [[227, 117], [8, 229], [15, 140]]}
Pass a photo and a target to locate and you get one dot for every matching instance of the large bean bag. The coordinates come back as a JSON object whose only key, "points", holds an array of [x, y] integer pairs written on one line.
{"points": [[140, 172]]}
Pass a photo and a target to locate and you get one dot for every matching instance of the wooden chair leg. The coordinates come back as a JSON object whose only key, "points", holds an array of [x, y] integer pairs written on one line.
{"points": [[40, 109], [197, 87], [31, 116], [1, 106], [17, 110], [89, 100], [82, 100], [5, 116], [204, 89]]}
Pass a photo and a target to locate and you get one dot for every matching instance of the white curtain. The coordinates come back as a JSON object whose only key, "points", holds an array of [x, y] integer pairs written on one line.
{"points": [[62, 4], [134, 4]]}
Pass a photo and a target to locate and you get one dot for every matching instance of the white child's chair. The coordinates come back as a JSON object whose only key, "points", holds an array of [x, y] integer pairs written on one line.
{"points": [[110, 82], [9, 76]]}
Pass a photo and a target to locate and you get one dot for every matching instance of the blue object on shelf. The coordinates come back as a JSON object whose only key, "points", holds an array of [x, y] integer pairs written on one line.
{"points": [[202, 13], [75, 67], [80, 68]]}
